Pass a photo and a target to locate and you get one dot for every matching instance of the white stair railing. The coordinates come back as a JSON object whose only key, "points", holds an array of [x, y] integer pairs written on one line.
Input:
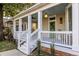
{"points": [[16, 34], [23, 37], [33, 40], [63, 38]]}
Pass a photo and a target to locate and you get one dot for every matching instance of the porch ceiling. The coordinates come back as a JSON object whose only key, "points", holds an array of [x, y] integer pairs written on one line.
{"points": [[56, 9]]}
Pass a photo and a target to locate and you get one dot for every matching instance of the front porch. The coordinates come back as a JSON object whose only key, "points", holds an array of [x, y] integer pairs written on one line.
{"points": [[57, 26], [50, 25]]}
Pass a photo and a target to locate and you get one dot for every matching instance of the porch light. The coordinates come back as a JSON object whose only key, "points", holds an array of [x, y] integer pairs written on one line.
{"points": [[45, 15]]}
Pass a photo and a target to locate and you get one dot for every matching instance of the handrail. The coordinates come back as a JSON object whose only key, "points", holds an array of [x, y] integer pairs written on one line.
{"points": [[34, 32], [57, 31]]}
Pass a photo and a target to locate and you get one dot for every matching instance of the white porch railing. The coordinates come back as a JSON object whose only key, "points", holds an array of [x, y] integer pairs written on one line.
{"points": [[33, 40], [23, 37], [16, 34], [62, 38]]}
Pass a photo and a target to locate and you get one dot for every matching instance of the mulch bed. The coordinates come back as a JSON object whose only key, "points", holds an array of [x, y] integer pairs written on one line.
{"points": [[46, 52]]}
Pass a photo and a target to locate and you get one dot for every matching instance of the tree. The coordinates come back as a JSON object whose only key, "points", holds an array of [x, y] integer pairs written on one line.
{"points": [[11, 10], [1, 22]]}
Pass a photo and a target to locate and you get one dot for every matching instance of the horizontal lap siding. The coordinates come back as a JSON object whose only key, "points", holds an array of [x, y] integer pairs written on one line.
{"points": [[58, 25]]}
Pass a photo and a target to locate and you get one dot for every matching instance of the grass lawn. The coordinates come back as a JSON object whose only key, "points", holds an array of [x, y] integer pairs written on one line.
{"points": [[6, 45]]}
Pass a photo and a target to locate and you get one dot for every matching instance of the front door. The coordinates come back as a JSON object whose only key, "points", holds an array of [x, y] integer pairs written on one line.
{"points": [[52, 26]]}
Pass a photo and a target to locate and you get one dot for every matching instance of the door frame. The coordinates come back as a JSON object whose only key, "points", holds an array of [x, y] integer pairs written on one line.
{"points": [[51, 21]]}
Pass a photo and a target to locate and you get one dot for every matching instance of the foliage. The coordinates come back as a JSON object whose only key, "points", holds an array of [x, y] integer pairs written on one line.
{"points": [[38, 47], [7, 34], [1, 22], [40, 52], [6, 45], [52, 49], [11, 9]]}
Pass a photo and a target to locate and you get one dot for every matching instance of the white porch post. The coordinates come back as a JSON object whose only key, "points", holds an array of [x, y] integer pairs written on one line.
{"points": [[75, 26], [39, 24], [14, 28], [20, 30], [29, 34], [20, 27], [66, 19]]}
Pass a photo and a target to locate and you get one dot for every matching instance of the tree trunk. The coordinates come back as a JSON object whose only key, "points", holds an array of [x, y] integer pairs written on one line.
{"points": [[1, 22]]}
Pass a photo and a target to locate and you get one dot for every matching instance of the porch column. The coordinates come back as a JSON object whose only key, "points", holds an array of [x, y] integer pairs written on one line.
{"points": [[29, 34], [20, 30], [75, 26], [66, 19], [39, 24], [20, 27], [14, 28]]}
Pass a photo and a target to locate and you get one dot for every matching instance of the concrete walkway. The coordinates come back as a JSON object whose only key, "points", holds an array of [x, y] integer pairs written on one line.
{"points": [[13, 52]]}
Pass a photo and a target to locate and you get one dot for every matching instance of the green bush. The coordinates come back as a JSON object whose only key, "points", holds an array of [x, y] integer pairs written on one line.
{"points": [[7, 34]]}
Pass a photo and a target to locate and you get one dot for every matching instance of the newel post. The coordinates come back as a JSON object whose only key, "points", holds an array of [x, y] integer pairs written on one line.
{"points": [[39, 24], [29, 34]]}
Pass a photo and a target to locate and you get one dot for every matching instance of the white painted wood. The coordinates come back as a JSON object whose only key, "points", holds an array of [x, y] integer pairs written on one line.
{"points": [[70, 39], [66, 19], [64, 32], [42, 8], [19, 34], [66, 38], [61, 37], [48, 43], [39, 24], [34, 32], [14, 28], [75, 26], [33, 40], [29, 34], [20, 27]]}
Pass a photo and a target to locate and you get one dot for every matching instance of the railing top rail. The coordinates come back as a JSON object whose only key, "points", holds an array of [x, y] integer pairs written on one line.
{"points": [[56, 32], [34, 32]]}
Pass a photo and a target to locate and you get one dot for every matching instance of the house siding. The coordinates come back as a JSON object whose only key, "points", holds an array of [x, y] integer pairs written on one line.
{"points": [[58, 26]]}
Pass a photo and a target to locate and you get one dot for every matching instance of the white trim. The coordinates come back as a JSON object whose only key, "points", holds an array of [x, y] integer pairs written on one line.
{"points": [[29, 34], [43, 7], [56, 32], [67, 17], [39, 24], [69, 5], [51, 21], [75, 28], [63, 45], [34, 32]]}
